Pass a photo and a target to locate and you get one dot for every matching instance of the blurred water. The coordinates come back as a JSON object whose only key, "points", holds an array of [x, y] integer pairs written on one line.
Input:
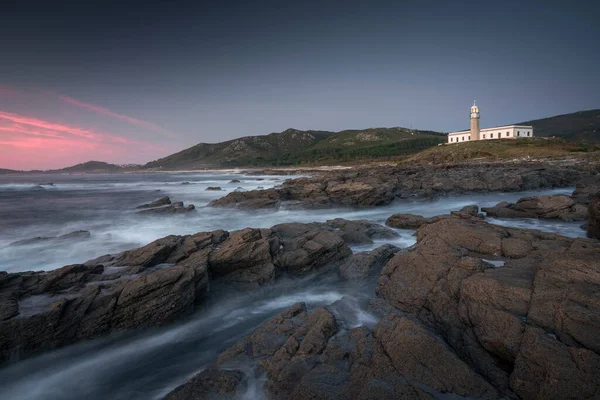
{"points": [[105, 206]]}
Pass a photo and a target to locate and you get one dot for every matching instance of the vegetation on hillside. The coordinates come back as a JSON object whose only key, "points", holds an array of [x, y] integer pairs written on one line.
{"points": [[294, 147], [581, 125], [503, 149]]}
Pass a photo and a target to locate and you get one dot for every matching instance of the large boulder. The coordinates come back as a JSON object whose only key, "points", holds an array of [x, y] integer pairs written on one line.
{"points": [[491, 291]]}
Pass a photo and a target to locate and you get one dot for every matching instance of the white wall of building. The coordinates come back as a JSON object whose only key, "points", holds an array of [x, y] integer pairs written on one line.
{"points": [[503, 132]]}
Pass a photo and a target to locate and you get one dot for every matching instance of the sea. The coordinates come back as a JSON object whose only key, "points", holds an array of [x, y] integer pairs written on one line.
{"points": [[149, 363]]}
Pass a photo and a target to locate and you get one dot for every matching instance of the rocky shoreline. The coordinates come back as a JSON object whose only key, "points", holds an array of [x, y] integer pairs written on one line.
{"points": [[472, 309], [511, 316], [167, 279], [376, 186]]}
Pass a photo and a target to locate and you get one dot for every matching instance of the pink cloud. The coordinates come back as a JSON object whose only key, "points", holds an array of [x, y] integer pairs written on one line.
{"points": [[105, 111], [33, 143]]}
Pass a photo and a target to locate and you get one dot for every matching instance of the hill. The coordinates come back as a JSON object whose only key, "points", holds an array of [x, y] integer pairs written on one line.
{"points": [[581, 125], [294, 147], [505, 149], [7, 171], [92, 167]]}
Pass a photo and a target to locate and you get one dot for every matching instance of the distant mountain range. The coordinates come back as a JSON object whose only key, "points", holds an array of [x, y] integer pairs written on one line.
{"points": [[296, 147]]}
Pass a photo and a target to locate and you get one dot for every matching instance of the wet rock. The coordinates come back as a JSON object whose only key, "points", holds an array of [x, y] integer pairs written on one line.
{"points": [[234, 181], [214, 188], [163, 201], [367, 263], [46, 184], [185, 183], [593, 228]]}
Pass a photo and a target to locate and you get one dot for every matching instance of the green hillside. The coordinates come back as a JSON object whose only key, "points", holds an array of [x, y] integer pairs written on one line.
{"points": [[581, 125], [504, 149], [295, 147]]}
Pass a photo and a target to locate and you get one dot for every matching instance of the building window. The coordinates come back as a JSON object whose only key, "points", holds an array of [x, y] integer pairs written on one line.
{"points": [[527, 133], [491, 135], [506, 134], [518, 133], [469, 138], [463, 138], [484, 135]]}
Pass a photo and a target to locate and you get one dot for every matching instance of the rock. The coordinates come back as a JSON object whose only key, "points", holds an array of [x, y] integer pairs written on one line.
{"points": [[213, 384], [420, 356], [368, 263], [175, 208], [185, 183], [46, 184], [305, 250], [163, 201], [408, 221], [584, 191], [214, 188], [234, 181], [472, 210], [359, 231], [485, 314], [547, 207], [593, 228]]}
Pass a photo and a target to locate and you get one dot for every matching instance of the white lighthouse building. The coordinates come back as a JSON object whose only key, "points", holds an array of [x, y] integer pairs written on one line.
{"points": [[499, 132]]}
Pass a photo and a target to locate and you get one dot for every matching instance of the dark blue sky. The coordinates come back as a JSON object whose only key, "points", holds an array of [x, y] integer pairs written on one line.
{"points": [[169, 74]]}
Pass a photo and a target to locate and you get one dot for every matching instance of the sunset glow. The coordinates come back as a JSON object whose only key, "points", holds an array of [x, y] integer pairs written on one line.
{"points": [[28, 142]]}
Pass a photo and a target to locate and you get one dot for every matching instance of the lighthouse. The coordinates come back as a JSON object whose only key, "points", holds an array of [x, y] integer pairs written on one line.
{"points": [[474, 122]]}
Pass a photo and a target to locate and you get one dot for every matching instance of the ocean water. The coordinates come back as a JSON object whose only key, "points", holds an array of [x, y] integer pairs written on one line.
{"points": [[147, 364]]}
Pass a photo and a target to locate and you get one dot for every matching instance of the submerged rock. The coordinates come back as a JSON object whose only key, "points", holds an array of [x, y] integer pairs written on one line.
{"points": [[41, 239], [214, 188]]}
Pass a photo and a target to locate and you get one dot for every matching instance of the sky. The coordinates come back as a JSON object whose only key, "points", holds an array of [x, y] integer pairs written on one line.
{"points": [[130, 82]]}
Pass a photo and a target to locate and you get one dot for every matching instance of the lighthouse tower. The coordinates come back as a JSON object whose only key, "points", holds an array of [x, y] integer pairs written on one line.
{"points": [[475, 122]]}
